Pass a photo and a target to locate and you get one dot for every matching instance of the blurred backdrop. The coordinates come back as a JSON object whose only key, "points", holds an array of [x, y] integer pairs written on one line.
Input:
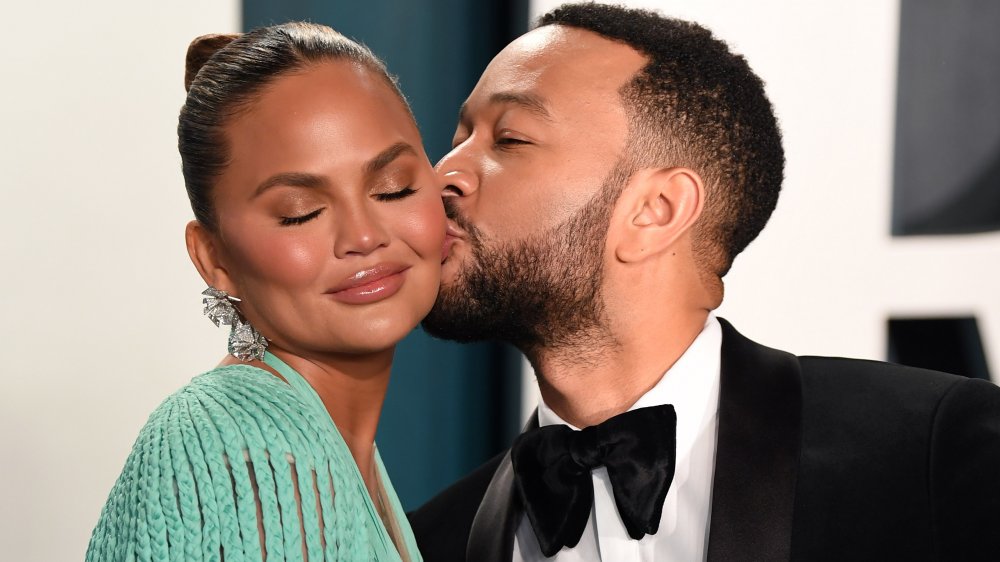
{"points": [[884, 244]]}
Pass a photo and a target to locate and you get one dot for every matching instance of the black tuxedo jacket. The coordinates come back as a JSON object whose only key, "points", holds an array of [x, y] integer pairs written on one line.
{"points": [[817, 459]]}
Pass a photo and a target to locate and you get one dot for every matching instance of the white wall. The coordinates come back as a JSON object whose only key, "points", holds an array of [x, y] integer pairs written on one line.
{"points": [[825, 275], [100, 316]]}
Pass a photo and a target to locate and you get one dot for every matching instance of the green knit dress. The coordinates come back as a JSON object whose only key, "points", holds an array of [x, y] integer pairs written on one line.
{"points": [[235, 444]]}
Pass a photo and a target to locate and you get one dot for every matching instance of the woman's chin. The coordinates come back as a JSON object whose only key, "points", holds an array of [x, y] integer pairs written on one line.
{"points": [[376, 335]]}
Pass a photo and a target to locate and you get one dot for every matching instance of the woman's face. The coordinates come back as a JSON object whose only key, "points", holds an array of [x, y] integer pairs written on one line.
{"points": [[330, 217]]}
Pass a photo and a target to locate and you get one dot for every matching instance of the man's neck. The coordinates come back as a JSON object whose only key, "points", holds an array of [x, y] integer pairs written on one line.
{"points": [[586, 387]]}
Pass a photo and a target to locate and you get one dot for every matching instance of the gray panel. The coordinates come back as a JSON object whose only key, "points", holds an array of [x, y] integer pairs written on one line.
{"points": [[947, 160]]}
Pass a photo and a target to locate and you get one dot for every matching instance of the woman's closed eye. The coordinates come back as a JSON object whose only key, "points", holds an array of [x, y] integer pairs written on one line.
{"points": [[395, 195], [291, 221], [390, 196]]}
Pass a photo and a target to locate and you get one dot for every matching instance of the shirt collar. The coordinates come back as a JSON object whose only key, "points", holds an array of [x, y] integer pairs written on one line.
{"points": [[691, 385]]}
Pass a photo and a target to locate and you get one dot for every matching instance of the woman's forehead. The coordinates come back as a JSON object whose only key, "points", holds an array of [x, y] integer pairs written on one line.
{"points": [[329, 120]]}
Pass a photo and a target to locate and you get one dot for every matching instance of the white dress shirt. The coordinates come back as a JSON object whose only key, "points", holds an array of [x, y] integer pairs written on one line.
{"points": [[692, 386]]}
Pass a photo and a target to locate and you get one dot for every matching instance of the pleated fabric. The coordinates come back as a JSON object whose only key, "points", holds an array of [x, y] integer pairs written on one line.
{"points": [[235, 440]]}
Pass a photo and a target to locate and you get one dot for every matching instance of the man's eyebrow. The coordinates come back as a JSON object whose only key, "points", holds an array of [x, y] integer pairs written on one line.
{"points": [[293, 179], [530, 102], [386, 157]]}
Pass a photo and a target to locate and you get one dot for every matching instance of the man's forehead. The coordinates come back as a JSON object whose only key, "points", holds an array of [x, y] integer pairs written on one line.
{"points": [[555, 59]]}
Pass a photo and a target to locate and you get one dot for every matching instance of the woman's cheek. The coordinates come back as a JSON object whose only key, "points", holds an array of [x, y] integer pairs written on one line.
{"points": [[424, 225], [287, 258]]}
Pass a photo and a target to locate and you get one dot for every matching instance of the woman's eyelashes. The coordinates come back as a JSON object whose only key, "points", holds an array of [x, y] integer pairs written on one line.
{"points": [[389, 196], [291, 221], [396, 195]]}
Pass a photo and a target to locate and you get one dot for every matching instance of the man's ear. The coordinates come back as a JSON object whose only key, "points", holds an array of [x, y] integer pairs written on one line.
{"points": [[660, 205], [202, 247]]}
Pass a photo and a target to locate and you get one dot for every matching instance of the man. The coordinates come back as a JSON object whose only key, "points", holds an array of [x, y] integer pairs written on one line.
{"points": [[608, 167]]}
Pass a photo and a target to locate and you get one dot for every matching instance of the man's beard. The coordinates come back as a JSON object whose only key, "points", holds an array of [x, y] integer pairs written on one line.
{"points": [[543, 291]]}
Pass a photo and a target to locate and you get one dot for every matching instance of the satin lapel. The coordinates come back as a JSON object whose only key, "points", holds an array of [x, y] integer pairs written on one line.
{"points": [[491, 538], [756, 465]]}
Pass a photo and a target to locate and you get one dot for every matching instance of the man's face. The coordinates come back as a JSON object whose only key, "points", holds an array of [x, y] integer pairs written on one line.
{"points": [[534, 157]]}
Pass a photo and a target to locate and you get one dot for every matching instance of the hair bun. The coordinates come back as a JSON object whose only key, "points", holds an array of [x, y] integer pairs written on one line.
{"points": [[202, 49]]}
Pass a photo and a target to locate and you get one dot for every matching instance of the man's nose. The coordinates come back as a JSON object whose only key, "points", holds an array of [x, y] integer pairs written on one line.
{"points": [[459, 183], [459, 175]]}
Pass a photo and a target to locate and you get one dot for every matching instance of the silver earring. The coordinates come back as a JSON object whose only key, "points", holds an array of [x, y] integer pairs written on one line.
{"points": [[245, 342]]}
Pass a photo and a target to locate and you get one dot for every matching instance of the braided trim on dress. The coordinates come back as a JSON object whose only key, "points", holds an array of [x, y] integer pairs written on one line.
{"points": [[233, 440]]}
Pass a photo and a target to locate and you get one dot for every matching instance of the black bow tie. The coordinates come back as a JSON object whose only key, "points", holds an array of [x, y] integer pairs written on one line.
{"points": [[553, 465]]}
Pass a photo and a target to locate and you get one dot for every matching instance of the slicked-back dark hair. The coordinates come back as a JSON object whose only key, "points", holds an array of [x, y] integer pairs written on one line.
{"points": [[226, 73], [698, 105]]}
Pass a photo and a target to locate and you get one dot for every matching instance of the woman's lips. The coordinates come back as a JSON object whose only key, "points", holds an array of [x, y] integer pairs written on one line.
{"points": [[370, 285]]}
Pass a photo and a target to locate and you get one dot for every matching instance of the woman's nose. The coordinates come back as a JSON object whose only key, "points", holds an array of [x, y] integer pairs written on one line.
{"points": [[359, 232]]}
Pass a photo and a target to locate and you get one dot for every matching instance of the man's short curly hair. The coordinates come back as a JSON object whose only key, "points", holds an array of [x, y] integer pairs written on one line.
{"points": [[698, 105]]}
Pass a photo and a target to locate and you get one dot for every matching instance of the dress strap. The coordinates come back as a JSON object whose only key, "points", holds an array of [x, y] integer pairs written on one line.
{"points": [[295, 380], [305, 390]]}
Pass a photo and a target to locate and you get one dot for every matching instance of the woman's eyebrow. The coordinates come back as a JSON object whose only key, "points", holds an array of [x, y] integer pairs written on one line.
{"points": [[293, 179], [313, 181], [384, 158]]}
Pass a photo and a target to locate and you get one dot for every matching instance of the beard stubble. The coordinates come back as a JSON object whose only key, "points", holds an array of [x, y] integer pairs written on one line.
{"points": [[542, 291]]}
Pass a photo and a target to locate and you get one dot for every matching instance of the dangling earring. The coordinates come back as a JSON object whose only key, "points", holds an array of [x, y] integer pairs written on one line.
{"points": [[245, 342]]}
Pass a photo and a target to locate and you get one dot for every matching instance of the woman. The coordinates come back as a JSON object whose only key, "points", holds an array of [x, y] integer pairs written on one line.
{"points": [[319, 230]]}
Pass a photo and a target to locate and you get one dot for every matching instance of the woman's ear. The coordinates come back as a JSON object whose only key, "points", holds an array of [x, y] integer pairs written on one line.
{"points": [[661, 205], [202, 247]]}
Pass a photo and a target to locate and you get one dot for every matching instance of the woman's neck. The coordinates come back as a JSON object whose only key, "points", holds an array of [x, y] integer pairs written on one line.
{"points": [[352, 388]]}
